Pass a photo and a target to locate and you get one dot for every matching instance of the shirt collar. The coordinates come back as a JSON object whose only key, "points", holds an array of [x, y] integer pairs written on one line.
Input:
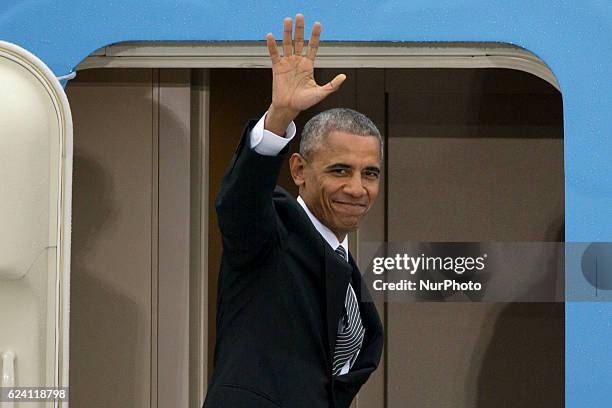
{"points": [[325, 232]]}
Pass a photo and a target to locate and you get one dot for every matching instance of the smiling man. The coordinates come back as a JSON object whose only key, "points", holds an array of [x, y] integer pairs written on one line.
{"points": [[295, 328], [337, 169]]}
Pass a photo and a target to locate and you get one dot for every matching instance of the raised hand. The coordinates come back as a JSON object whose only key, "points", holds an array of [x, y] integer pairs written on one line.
{"points": [[294, 88]]}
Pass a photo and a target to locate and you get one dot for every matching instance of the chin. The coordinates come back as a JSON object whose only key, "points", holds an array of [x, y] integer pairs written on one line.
{"points": [[350, 226]]}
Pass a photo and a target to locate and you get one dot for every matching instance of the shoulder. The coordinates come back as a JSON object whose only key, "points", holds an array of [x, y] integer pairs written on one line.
{"points": [[286, 206], [294, 220]]}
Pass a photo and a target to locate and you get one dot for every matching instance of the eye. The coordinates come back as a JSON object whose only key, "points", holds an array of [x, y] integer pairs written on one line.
{"points": [[371, 174], [340, 171]]}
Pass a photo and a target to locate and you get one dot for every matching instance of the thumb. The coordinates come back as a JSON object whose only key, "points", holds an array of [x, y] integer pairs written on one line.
{"points": [[334, 84]]}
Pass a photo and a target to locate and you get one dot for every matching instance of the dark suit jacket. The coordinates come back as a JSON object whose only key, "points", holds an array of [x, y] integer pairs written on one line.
{"points": [[281, 290]]}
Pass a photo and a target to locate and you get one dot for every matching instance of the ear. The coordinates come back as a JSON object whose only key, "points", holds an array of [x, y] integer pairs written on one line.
{"points": [[297, 165]]}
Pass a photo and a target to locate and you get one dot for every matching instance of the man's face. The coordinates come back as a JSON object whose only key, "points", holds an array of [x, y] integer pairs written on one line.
{"points": [[340, 181]]}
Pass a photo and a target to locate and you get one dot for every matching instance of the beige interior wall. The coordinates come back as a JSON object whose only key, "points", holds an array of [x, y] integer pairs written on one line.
{"points": [[110, 311], [474, 155], [132, 329], [173, 238]]}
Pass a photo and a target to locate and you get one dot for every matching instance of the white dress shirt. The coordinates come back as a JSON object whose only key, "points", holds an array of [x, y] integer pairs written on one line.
{"points": [[270, 144]]}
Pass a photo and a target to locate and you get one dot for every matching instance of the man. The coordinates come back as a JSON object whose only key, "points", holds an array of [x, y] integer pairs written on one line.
{"points": [[294, 328]]}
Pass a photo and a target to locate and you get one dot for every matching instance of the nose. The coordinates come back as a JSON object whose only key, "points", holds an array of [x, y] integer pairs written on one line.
{"points": [[354, 187]]}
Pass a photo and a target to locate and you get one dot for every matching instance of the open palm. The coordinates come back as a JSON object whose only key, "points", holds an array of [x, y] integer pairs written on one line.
{"points": [[293, 85]]}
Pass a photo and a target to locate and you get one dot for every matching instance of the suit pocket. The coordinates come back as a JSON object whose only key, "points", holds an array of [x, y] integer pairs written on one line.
{"points": [[240, 395]]}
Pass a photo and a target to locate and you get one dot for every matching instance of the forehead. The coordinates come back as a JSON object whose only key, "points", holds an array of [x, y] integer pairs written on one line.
{"points": [[348, 147]]}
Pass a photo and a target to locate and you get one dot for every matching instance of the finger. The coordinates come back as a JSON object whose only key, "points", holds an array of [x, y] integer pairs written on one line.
{"points": [[313, 43], [334, 84], [272, 50], [299, 34], [287, 28]]}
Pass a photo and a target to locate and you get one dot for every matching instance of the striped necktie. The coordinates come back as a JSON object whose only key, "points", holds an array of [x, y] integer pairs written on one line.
{"points": [[350, 331]]}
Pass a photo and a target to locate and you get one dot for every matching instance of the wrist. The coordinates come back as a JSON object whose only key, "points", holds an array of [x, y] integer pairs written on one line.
{"points": [[278, 119]]}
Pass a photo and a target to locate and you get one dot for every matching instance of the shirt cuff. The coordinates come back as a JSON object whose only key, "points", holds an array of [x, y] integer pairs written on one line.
{"points": [[268, 143]]}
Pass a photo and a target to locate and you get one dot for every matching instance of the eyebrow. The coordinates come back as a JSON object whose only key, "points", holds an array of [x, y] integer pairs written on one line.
{"points": [[347, 166]]}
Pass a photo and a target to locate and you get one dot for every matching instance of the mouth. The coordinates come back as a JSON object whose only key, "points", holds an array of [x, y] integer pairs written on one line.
{"points": [[347, 206]]}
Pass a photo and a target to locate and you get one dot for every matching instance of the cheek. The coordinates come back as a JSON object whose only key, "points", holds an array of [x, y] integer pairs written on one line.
{"points": [[330, 190], [373, 192], [327, 194], [373, 187], [323, 186]]}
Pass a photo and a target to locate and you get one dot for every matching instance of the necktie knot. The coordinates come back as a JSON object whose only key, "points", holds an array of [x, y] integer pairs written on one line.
{"points": [[340, 251]]}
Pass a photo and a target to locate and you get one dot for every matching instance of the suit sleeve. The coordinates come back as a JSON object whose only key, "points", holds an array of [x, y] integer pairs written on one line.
{"points": [[244, 205]]}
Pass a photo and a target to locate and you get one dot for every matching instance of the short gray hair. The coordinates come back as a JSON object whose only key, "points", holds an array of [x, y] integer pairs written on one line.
{"points": [[337, 119]]}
